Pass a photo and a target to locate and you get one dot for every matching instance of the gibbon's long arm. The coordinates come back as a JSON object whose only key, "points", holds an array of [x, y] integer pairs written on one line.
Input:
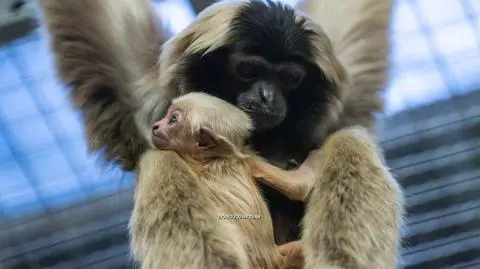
{"points": [[359, 32], [107, 51], [355, 209], [355, 201], [173, 224]]}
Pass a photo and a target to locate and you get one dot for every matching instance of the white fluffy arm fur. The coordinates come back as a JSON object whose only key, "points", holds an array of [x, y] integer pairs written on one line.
{"points": [[108, 50], [359, 32]]}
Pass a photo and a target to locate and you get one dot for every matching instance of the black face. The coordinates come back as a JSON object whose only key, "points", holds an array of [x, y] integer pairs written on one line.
{"points": [[267, 71], [262, 88]]}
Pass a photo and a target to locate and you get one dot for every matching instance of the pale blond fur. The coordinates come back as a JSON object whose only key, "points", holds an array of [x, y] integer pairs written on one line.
{"points": [[224, 183], [359, 31], [122, 80], [227, 120]]}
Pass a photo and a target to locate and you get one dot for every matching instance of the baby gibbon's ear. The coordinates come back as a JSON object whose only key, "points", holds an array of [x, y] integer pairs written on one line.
{"points": [[207, 139], [216, 145]]}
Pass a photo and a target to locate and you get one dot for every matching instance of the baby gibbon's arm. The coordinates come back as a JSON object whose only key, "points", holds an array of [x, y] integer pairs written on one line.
{"points": [[295, 184]]}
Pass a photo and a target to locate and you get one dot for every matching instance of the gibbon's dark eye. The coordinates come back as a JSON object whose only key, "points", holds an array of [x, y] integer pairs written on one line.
{"points": [[290, 79], [246, 71], [173, 119]]}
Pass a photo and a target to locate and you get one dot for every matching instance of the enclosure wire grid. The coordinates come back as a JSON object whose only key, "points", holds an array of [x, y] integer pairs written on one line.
{"points": [[61, 207]]}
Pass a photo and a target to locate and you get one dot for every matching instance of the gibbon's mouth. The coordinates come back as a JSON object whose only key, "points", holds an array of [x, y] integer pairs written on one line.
{"points": [[160, 140], [265, 120]]}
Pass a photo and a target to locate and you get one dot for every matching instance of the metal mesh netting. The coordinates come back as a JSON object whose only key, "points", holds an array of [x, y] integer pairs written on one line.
{"points": [[62, 208]]}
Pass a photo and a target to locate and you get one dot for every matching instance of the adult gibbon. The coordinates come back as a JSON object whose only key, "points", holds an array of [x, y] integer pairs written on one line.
{"points": [[300, 81]]}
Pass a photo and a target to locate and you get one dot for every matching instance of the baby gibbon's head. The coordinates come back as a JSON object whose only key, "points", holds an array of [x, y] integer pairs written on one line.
{"points": [[196, 120]]}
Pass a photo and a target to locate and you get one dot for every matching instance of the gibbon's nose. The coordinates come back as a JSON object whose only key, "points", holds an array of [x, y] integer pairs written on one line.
{"points": [[160, 137], [266, 95]]}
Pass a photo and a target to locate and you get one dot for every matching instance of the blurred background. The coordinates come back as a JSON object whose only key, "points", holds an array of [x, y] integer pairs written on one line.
{"points": [[63, 208]]}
